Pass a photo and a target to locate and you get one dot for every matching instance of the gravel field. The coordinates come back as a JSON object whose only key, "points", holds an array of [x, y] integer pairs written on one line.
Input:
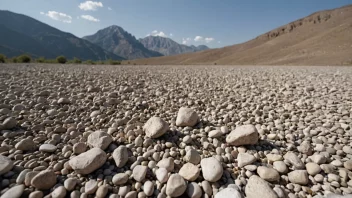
{"points": [[175, 131]]}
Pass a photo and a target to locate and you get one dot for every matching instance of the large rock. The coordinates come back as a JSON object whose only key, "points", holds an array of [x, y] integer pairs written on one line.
{"points": [[186, 117], [212, 169], [44, 180], [14, 192], [175, 186], [243, 135], [193, 190], [228, 193], [257, 187], [99, 139], [6, 164], [298, 177], [25, 145], [155, 127], [120, 156], [89, 161]]}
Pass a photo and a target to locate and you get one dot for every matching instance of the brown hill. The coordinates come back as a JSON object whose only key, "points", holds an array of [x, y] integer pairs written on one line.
{"points": [[322, 38]]}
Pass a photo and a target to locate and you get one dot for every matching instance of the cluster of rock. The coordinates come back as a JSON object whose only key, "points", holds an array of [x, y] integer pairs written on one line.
{"points": [[70, 137]]}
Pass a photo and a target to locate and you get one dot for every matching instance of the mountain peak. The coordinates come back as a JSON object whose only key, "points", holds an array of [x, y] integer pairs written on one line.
{"points": [[167, 46], [118, 41]]}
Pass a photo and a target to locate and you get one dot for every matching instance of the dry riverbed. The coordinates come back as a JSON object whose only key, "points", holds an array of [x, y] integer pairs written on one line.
{"points": [[175, 131]]}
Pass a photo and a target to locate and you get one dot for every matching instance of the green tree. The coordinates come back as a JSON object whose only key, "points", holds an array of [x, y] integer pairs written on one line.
{"points": [[61, 59], [24, 59], [2, 58]]}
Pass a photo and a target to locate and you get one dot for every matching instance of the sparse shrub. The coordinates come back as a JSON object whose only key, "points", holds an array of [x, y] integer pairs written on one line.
{"points": [[2, 58], [89, 62], [41, 60], [114, 62], [215, 63], [77, 61], [128, 62], [61, 59], [24, 59], [14, 60]]}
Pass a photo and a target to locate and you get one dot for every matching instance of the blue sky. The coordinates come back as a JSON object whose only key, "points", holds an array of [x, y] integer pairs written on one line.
{"points": [[216, 23]]}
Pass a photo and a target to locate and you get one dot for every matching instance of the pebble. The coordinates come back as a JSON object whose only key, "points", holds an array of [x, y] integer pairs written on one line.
{"points": [[243, 135], [192, 156], [193, 190], [298, 177], [155, 127], [244, 159], [99, 139], [268, 174], [59, 192], [120, 156], [313, 168], [44, 180], [186, 117], [189, 172], [257, 187], [120, 179], [14, 192], [89, 161], [212, 169], [139, 172], [6, 164], [49, 148], [175, 186]]}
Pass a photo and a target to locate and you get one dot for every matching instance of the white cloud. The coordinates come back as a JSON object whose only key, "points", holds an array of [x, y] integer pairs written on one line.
{"points": [[58, 16], [171, 35], [90, 5], [208, 40], [219, 41], [198, 38], [109, 8], [156, 33], [185, 40], [89, 18]]}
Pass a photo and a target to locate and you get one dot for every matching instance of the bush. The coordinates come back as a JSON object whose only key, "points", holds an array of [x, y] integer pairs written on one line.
{"points": [[14, 60], [24, 59], [41, 60], [2, 58], [114, 62], [77, 61], [89, 62], [61, 59]]}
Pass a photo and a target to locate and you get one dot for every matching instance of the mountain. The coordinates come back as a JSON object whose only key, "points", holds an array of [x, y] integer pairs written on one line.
{"points": [[116, 40], [322, 38], [21, 34], [167, 46]]}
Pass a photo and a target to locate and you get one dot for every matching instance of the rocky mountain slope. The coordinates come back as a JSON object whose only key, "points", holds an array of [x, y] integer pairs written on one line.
{"points": [[116, 40], [322, 38], [167, 46], [22, 34]]}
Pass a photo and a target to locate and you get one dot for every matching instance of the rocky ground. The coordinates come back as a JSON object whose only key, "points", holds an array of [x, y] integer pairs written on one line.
{"points": [[157, 131]]}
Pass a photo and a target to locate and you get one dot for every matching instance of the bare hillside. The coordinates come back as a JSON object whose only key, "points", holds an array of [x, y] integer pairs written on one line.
{"points": [[322, 38]]}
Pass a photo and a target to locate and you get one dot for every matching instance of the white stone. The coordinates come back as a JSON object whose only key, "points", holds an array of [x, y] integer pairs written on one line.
{"points": [[244, 159], [89, 161], [99, 139], [243, 135], [212, 169], [155, 127], [175, 186], [228, 193], [189, 172], [186, 117], [139, 172], [6, 164], [49, 148], [120, 156], [258, 188]]}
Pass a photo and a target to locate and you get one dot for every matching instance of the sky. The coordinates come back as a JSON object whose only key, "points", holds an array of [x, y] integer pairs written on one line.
{"points": [[215, 23]]}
